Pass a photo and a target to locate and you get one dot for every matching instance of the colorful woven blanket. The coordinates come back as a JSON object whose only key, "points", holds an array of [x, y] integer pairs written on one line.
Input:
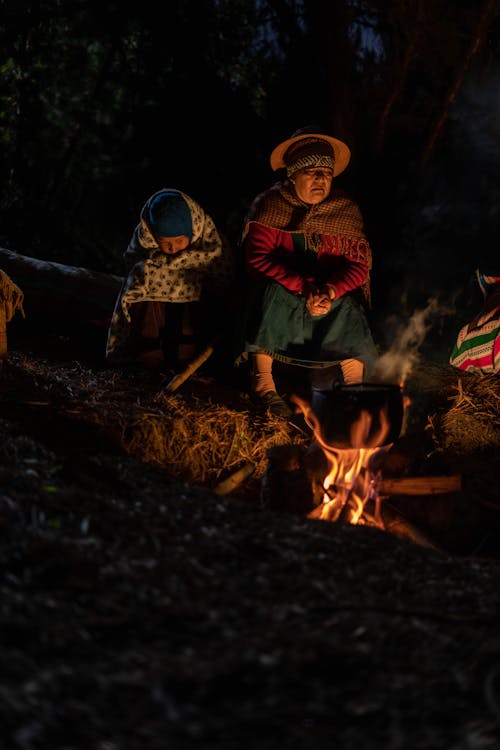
{"points": [[478, 343]]}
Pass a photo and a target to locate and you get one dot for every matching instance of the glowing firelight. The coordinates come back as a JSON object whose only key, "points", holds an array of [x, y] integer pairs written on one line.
{"points": [[350, 483]]}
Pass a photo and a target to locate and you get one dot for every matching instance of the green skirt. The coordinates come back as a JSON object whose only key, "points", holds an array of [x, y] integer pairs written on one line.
{"points": [[278, 323]]}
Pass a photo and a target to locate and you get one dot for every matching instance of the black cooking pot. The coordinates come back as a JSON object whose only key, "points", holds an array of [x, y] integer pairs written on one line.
{"points": [[377, 406]]}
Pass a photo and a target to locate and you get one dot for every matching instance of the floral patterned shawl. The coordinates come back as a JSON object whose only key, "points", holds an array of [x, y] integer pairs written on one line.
{"points": [[206, 265]]}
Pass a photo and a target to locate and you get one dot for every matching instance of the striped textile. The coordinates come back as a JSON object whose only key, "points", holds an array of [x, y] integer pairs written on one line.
{"points": [[478, 343]]}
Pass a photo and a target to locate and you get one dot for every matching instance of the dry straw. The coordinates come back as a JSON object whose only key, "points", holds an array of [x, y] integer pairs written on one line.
{"points": [[472, 422], [192, 436], [463, 407]]}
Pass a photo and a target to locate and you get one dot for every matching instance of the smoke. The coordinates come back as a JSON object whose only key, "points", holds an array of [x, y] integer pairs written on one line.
{"points": [[396, 364]]}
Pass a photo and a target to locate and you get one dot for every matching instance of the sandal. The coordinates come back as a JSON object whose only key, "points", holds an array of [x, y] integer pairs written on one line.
{"points": [[275, 405]]}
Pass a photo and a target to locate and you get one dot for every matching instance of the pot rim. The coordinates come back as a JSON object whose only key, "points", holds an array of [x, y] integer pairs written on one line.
{"points": [[367, 386]]}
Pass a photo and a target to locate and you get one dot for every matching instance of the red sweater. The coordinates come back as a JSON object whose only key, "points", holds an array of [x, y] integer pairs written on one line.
{"points": [[280, 256]]}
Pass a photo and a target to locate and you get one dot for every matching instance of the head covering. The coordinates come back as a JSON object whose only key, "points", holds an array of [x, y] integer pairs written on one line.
{"points": [[310, 149], [307, 153], [170, 216], [486, 280]]}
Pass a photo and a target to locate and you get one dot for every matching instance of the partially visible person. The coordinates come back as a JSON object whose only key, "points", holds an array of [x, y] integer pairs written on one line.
{"points": [[178, 269], [308, 267], [477, 347]]}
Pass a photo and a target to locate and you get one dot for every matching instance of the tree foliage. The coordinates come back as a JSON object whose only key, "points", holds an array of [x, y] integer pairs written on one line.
{"points": [[99, 108]]}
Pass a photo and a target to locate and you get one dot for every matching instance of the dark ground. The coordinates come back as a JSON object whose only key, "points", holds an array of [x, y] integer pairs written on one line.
{"points": [[143, 613]]}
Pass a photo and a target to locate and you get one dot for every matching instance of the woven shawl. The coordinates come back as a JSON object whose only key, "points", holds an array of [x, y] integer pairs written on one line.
{"points": [[478, 343], [153, 275], [11, 300], [338, 216]]}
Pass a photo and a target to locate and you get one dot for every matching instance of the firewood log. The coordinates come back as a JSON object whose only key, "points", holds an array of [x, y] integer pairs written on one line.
{"points": [[61, 292], [421, 485]]}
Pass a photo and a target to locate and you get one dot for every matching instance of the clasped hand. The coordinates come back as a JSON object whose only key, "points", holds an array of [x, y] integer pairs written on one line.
{"points": [[318, 300]]}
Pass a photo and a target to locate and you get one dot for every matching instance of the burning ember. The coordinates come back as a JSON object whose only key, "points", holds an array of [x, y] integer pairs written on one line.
{"points": [[350, 484], [336, 478]]}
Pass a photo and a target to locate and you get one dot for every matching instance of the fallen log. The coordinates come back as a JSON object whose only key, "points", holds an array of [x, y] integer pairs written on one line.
{"points": [[61, 292]]}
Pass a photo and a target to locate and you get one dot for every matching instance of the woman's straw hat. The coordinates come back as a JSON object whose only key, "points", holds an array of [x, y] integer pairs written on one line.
{"points": [[341, 151]]}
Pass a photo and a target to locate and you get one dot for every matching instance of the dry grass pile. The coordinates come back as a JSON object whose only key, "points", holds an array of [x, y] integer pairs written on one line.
{"points": [[204, 442], [462, 409], [193, 436], [466, 411], [472, 423]]}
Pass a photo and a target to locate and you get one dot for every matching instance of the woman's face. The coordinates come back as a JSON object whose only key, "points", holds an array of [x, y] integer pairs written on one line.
{"points": [[173, 245], [313, 185]]}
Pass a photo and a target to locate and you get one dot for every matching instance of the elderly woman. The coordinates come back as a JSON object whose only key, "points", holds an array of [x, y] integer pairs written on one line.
{"points": [[178, 265], [307, 264]]}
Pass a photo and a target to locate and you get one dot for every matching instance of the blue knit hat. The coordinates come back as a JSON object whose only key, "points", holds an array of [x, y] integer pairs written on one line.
{"points": [[169, 215]]}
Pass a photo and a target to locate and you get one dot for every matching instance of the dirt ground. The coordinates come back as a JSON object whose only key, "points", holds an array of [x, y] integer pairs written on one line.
{"points": [[141, 611]]}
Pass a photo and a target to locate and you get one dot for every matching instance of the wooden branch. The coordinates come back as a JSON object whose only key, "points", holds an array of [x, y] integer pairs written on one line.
{"points": [[181, 378], [403, 529], [421, 485], [411, 486], [234, 480], [394, 524], [315, 514]]}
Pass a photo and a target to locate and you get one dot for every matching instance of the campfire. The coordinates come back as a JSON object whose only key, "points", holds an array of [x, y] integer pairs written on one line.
{"points": [[337, 478], [350, 484]]}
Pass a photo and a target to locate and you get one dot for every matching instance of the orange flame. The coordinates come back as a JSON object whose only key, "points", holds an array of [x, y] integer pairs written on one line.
{"points": [[350, 483]]}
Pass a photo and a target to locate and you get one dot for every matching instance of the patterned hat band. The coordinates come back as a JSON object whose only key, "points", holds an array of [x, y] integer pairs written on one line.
{"points": [[308, 162]]}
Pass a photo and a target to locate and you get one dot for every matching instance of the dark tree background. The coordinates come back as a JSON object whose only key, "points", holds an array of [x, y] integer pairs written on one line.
{"points": [[100, 107]]}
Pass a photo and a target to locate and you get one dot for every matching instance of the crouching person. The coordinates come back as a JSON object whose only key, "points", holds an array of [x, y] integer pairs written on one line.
{"points": [[478, 343], [171, 302]]}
